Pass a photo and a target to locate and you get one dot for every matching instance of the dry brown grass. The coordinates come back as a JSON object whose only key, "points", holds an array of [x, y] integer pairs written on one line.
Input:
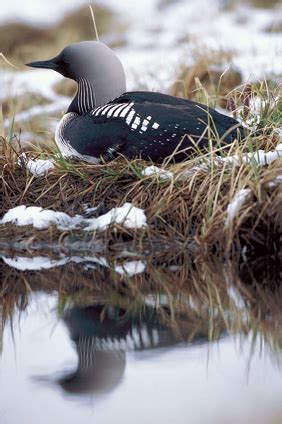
{"points": [[208, 80], [265, 4], [187, 211], [23, 103], [183, 210]]}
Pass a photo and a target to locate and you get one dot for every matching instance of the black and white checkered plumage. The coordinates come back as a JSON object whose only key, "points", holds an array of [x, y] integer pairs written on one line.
{"points": [[148, 125], [141, 124]]}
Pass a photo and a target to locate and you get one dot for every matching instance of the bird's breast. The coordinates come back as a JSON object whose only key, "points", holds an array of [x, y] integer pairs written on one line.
{"points": [[64, 143]]}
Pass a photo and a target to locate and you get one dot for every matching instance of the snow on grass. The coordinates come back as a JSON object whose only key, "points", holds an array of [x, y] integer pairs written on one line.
{"points": [[275, 182], [255, 111], [88, 209], [236, 204], [131, 268], [203, 166], [236, 298], [38, 217], [37, 263], [128, 268], [156, 171], [259, 158], [37, 167], [127, 215], [21, 82]]}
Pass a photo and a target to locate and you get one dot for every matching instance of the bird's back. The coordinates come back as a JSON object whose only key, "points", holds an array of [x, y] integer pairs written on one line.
{"points": [[150, 125]]}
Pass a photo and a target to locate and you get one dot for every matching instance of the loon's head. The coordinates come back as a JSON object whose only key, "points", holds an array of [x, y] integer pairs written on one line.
{"points": [[91, 61]]}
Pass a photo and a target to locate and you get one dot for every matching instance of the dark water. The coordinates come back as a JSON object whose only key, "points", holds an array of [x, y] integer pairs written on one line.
{"points": [[80, 346]]}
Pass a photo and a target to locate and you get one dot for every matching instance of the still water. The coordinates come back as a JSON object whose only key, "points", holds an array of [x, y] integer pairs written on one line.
{"points": [[138, 353]]}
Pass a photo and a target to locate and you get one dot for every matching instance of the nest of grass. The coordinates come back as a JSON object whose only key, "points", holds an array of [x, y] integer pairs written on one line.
{"points": [[185, 211]]}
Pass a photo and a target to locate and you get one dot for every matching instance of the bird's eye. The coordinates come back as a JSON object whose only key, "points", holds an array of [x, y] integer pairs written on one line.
{"points": [[66, 60]]}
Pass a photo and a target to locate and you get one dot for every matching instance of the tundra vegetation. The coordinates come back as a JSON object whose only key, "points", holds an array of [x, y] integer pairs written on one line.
{"points": [[208, 218]]}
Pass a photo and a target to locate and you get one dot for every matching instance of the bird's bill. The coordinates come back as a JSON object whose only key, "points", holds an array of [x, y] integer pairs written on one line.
{"points": [[45, 64]]}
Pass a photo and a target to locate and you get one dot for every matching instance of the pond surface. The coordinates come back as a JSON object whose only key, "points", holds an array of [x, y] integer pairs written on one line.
{"points": [[87, 354]]}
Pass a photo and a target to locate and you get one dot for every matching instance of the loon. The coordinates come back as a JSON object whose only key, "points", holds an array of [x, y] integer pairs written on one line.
{"points": [[104, 121]]}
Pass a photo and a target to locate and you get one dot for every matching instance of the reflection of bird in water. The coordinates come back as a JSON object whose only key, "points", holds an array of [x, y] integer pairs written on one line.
{"points": [[97, 370], [102, 335]]}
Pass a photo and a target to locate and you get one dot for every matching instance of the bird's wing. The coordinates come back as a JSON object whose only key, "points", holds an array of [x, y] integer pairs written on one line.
{"points": [[196, 109], [145, 129]]}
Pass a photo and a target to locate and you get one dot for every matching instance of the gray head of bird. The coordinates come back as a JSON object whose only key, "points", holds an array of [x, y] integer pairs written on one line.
{"points": [[93, 65]]}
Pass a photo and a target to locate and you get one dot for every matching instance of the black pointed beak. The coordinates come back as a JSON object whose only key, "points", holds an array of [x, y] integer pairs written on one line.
{"points": [[45, 64]]}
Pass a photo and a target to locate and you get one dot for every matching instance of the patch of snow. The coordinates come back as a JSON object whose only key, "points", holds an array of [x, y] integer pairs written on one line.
{"points": [[236, 297], [256, 106], [100, 260], [128, 215], [88, 208], [260, 157], [204, 166], [275, 182], [236, 203], [156, 299], [36, 263], [131, 268], [18, 83], [37, 12], [154, 170], [38, 217], [37, 167]]}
